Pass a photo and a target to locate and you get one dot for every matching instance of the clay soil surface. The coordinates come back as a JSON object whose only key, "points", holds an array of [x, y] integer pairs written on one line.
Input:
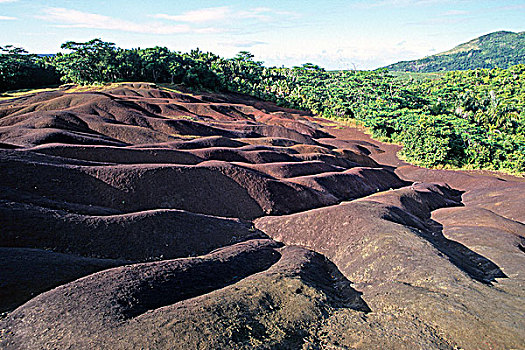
{"points": [[134, 216]]}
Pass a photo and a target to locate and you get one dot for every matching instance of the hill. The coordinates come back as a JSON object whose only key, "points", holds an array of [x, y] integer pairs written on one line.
{"points": [[499, 49]]}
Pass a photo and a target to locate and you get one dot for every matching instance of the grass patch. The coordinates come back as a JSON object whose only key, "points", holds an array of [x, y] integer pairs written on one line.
{"points": [[174, 88], [24, 92], [72, 88], [185, 137], [187, 117]]}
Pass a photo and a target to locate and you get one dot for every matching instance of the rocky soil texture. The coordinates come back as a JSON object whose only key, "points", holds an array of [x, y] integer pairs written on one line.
{"points": [[140, 217]]}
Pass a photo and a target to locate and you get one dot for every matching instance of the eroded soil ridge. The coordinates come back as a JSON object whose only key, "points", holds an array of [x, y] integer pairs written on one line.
{"points": [[134, 216]]}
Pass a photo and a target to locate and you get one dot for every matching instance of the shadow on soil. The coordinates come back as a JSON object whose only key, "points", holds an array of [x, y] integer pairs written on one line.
{"points": [[475, 265], [335, 285]]}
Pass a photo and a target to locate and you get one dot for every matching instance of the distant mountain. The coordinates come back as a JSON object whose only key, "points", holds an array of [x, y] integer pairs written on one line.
{"points": [[499, 49]]}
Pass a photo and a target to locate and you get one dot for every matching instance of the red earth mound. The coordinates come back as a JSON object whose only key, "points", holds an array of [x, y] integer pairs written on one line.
{"points": [[141, 217]]}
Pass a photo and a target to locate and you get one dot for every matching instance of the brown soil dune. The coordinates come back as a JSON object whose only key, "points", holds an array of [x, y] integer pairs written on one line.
{"points": [[137, 217]]}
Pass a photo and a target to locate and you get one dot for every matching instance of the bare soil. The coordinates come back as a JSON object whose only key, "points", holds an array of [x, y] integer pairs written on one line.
{"points": [[136, 217]]}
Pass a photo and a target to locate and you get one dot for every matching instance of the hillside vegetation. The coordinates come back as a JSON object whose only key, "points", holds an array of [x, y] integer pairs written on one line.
{"points": [[498, 49], [472, 119]]}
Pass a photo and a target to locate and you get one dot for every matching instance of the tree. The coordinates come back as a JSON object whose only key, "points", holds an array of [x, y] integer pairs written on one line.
{"points": [[94, 61], [19, 69], [155, 63], [129, 65]]}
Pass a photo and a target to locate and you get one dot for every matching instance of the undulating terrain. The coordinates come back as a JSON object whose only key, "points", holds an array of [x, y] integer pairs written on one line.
{"points": [[138, 217]]}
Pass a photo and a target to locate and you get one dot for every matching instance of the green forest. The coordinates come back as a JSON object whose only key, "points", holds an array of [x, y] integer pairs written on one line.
{"points": [[472, 119]]}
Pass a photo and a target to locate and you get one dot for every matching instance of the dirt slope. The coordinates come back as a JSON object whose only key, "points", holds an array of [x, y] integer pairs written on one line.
{"points": [[140, 217]]}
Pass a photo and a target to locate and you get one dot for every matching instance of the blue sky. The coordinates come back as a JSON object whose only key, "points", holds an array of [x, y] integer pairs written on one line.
{"points": [[334, 34]]}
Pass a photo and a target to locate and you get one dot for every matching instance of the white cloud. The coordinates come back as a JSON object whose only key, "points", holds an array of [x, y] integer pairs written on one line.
{"points": [[7, 18], [214, 14], [399, 3], [68, 18], [199, 16], [360, 54], [440, 21], [191, 22], [5, 1], [265, 14], [454, 13], [511, 7], [244, 43], [262, 14]]}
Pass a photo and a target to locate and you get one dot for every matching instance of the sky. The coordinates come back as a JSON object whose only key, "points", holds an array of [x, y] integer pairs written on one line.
{"points": [[351, 34]]}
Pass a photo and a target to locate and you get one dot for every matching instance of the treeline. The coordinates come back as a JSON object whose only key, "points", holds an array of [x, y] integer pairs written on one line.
{"points": [[97, 61], [470, 119], [20, 70]]}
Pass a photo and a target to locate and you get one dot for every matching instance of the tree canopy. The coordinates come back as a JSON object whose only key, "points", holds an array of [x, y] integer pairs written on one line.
{"points": [[19, 69]]}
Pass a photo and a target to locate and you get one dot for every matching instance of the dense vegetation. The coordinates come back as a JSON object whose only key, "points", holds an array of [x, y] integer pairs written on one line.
{"points": [[97, 61], [499, 49], [471, 119], [19, 70]]}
